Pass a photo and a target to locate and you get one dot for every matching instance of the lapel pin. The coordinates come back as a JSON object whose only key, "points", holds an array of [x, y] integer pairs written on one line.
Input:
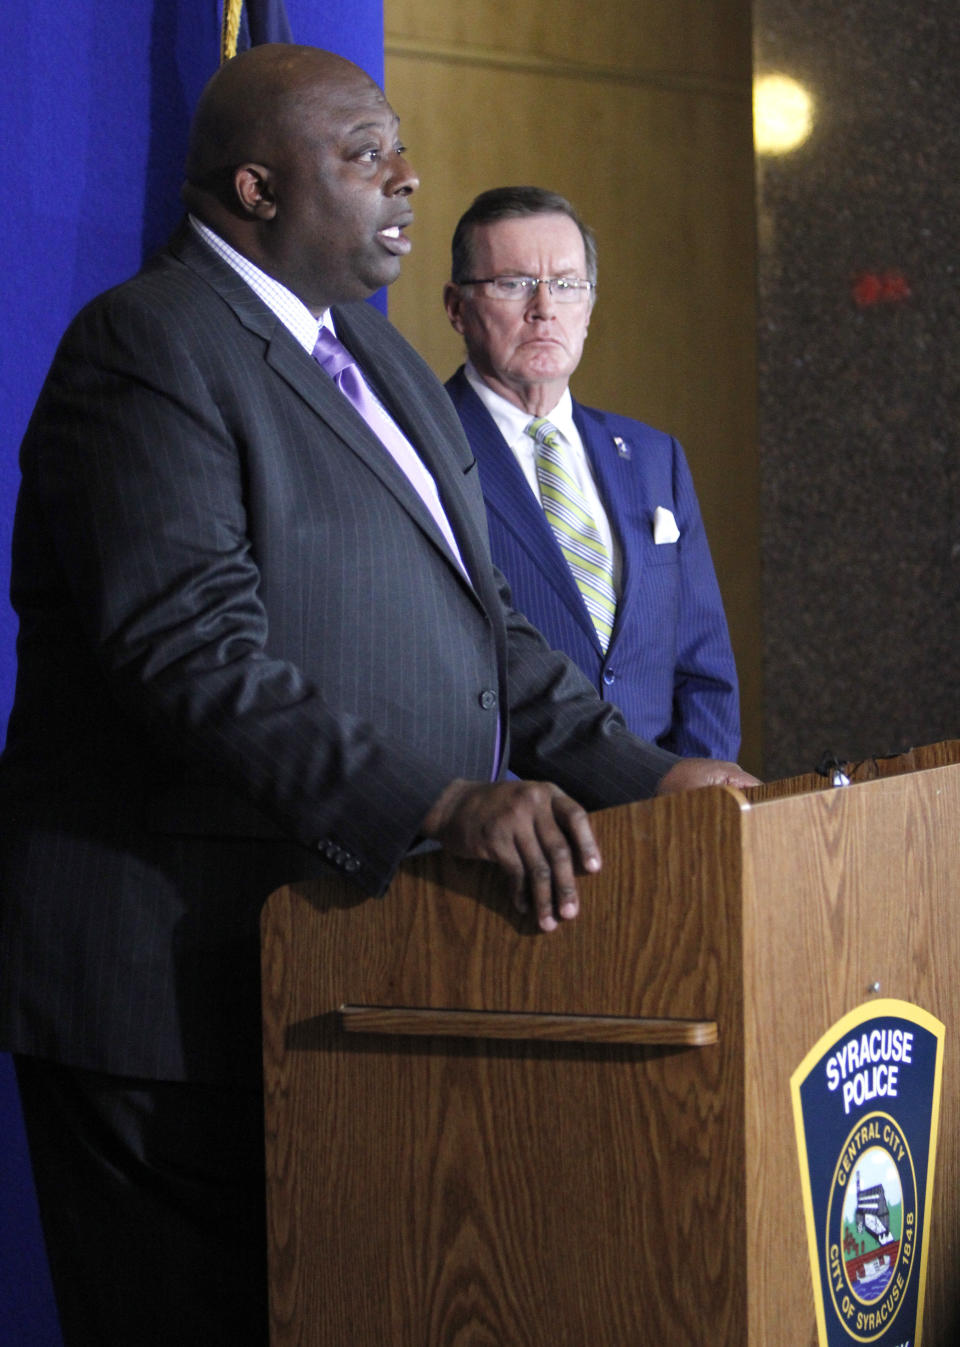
{"points": [[623, 449]]}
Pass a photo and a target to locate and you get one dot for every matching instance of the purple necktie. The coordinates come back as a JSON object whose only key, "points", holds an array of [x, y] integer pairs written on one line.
{"points": [[334, 357]]}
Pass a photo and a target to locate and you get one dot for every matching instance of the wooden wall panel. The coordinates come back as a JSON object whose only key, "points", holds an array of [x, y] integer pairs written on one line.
{"points": [[641, 115], [689, 38]]}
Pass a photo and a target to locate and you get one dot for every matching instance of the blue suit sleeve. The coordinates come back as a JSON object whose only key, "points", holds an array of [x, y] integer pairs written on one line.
{"points": [[706, 705]]}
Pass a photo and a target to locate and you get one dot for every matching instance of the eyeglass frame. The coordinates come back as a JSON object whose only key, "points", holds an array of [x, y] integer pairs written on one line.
{"points": [[579, 287]]}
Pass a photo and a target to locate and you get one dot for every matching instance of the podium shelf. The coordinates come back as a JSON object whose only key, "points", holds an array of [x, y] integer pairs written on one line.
{"points": [[646, 1032]]}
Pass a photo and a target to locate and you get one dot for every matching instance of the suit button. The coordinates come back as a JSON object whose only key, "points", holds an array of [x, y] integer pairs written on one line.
{"points": [[334, 853], [488, 699], [609, 677]]}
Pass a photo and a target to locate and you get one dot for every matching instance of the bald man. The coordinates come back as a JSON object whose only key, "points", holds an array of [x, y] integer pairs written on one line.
{"points": [[261, 636]]}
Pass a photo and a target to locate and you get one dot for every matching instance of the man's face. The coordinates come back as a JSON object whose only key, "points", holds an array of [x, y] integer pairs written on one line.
{"points": [[525, 349], [340, 184]]}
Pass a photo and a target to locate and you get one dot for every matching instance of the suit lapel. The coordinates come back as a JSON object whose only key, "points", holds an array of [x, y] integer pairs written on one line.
{"points": [[318, 390], [509, 498], [421, 408], [619, 480]]}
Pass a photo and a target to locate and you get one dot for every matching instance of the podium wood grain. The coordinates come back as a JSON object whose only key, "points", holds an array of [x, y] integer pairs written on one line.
{"points": [[459, 1188]]}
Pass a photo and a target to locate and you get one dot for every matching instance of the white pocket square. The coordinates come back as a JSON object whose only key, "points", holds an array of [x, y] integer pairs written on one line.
{"points": [[664, 526]]}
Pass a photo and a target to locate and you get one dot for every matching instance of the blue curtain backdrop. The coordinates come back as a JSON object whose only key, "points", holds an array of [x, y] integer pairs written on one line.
{"points": [[95, 99]]}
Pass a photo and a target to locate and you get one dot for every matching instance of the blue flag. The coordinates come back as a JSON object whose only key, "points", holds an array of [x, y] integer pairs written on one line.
{"points": [[265, 21]]}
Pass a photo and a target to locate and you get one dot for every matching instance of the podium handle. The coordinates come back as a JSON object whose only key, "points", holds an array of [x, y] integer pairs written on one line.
{"points": [[528, 1025]]}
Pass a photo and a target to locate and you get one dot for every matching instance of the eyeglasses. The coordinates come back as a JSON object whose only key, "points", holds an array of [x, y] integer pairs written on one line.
{"points": [[564, 289]]}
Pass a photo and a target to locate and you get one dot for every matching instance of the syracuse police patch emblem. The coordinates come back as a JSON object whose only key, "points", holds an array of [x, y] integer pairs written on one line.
{"points": [[866, 1103]]}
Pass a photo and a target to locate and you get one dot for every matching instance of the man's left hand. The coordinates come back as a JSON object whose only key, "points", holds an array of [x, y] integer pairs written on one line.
{"points": [[692, 773]]}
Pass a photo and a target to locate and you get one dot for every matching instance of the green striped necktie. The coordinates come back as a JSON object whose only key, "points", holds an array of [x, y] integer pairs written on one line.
{"points": [[573, 525]]}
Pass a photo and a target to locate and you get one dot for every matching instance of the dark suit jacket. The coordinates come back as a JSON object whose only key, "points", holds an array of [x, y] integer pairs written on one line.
{"points": [[245, 654], [669, 666]]}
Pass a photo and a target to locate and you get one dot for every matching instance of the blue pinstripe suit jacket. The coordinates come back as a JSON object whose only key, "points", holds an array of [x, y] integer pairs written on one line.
{"points": [[669, 666], [245, 655]]}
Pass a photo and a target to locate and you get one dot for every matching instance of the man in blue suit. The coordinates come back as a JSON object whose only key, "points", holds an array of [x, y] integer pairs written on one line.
{"points": [[606, 554]]}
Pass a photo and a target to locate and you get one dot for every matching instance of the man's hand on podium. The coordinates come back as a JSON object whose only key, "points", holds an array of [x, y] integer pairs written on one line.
{"points": [[692, 773], [540, 838]]}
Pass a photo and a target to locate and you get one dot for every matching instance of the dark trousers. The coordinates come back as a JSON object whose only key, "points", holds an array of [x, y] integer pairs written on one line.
{"points": [[152, 1202]]}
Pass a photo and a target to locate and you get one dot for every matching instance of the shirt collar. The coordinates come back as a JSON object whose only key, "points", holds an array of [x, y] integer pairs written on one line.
{"points": [[511, 420], [291, 311]]}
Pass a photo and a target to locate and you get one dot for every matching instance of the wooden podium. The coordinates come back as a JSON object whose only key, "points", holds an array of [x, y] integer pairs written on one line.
{"points": [[481, 1136]]}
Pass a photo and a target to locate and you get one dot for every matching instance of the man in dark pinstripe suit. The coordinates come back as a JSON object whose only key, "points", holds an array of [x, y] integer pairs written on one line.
{"points": [[250, 648]]}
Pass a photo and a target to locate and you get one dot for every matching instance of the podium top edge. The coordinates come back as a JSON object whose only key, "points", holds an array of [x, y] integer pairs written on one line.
{"points": [[941, 757]]}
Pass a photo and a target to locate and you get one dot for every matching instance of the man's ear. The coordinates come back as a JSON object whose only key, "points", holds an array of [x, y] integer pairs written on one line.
{"points": [[452, 302], [252, 184]]}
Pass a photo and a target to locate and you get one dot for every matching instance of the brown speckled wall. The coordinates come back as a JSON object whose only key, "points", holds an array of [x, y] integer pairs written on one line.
{"points": [[859, 406]]}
